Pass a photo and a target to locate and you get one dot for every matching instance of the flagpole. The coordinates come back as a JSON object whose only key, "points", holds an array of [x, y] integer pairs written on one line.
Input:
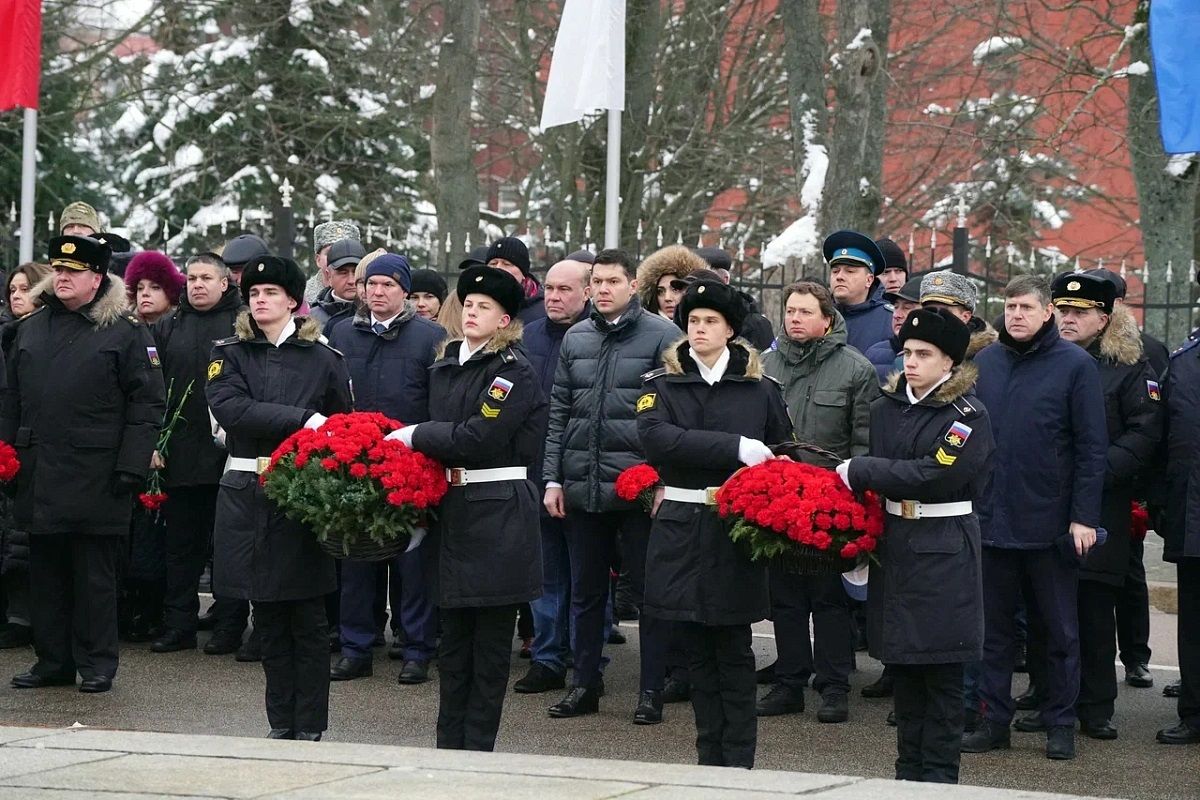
{"points": [[612, 183], [28, 174]]}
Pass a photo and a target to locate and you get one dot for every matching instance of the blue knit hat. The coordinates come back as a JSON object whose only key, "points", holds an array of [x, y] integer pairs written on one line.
{"points": [[393, 266]]}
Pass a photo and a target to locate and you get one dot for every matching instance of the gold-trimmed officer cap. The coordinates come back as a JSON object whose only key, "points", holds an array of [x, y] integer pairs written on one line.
{"points": [[1080, 290], [79, 253]]}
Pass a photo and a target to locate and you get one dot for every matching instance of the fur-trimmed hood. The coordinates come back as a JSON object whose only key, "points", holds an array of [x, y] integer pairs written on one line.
{"points": [[1122, 340], [674, 260], [982, 335], [108, 306], [744, 360], [505, 337], [307, 328], [962, 379]]}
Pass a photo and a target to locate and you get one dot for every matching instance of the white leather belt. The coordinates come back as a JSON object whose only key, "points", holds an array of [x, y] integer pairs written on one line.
{"points": [[701, 497], [256, 465], [458, 476], [912, 509]]}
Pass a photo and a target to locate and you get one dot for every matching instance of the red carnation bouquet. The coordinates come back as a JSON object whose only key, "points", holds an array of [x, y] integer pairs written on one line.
{"points": [[10, 465], [1139, 521], [800, 517], [154, 497], [362, 494], [638, 483]]}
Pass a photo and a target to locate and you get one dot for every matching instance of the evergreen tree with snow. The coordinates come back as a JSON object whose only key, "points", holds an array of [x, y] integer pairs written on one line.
{"points": [[243, 96]]}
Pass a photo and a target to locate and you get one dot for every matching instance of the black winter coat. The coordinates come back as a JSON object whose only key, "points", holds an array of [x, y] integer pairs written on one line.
{"points": [[261, 394], [84, 401], [14, 541], [1180, 527], [542, 341], [593, 434], [691, 431], [185, 340], [1134, 415], [389, 371], [487, 413], [925, 604]]}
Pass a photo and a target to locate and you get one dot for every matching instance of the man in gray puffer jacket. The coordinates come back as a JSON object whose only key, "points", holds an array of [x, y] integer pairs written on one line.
{"points": [[592, 437]]}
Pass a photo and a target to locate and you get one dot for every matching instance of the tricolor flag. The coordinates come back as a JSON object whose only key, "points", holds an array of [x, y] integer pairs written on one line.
{"points": [[1174, 32], [20, 53], [587, 71]]}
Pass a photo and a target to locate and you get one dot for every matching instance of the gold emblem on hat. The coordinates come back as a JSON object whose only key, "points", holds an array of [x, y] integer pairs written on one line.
{"points": [[938, 281], [68, 247], [1074, 286]]}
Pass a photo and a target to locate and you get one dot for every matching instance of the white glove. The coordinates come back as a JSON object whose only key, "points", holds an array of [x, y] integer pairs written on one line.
{"points": [[403, 435], [418, 536], [315, 421], [752, 451], [843, 471]]}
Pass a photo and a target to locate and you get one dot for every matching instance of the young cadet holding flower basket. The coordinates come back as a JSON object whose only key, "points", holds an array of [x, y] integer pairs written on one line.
{"points": [[274, 377], [703, 415], [931, 450], [488, 419]]}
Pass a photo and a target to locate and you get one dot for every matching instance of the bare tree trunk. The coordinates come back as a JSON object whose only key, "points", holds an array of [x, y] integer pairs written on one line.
{"points": [[455, 181], [804, 58], [644, 27], [853, 195], [1166, 202]]}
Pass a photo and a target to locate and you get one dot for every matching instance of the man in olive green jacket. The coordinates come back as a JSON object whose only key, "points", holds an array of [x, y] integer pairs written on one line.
{"points": [[828, 387]]}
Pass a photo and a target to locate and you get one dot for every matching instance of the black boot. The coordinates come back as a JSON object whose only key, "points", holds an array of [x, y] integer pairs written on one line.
{"points": [[880, 688], [782, 699], [1060, 743], [540, 678], [649, 708], [990, 735], [579, 701], [835, 707]]}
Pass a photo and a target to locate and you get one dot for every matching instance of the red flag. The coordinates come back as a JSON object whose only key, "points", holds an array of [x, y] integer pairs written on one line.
{"points": [[20, 53]]}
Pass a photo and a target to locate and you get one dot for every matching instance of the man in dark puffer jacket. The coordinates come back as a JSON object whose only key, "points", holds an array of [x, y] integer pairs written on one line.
{"points": [[593, 437]]}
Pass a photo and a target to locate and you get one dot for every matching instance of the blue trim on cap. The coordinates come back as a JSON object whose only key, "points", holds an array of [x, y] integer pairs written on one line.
{"points": [[852, 253]]}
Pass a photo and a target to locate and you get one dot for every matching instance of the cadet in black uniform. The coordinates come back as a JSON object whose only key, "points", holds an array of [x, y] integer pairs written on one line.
{"points": [[488, 419], [931, 448], [702, 416], [275, 376]]}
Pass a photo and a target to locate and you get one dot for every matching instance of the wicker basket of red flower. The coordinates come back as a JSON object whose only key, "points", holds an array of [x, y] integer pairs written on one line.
{"points": [[799, 517], [361, 494]]}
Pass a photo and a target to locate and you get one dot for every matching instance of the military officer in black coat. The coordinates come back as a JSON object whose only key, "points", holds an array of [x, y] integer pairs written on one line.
{"points": [[82, 407], [273, 377], [704, 414], [1088, 316], [931, 449], [488, 420]]}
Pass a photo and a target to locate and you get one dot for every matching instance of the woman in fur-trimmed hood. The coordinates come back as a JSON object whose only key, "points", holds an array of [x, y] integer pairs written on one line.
{"points": [[654, 287]]}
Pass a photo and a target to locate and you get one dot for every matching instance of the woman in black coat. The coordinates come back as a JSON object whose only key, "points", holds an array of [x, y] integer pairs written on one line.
{"points": [[931, 449], [701, 417], [272, 378], [488, 414]]}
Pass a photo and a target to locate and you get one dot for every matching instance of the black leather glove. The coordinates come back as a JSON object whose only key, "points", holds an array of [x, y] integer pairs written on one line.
{"points": [[124, 483]]}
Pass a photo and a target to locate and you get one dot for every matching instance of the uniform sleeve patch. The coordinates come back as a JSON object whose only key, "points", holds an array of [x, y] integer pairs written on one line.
{"points": [[1153, 390], [214, 369], [152, 354], [944, 458], [958, 434], [499, 389], [646, 402], [488, 412]]}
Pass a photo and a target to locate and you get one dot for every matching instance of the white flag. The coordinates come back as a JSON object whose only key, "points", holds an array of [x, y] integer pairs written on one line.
{"points": [[587, 71]]}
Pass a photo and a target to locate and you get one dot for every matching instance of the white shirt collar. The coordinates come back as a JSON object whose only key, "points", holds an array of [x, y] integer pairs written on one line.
{"points": [[465, 352], [387, 323], [286, 333], [712, 374], [913, 399]]}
